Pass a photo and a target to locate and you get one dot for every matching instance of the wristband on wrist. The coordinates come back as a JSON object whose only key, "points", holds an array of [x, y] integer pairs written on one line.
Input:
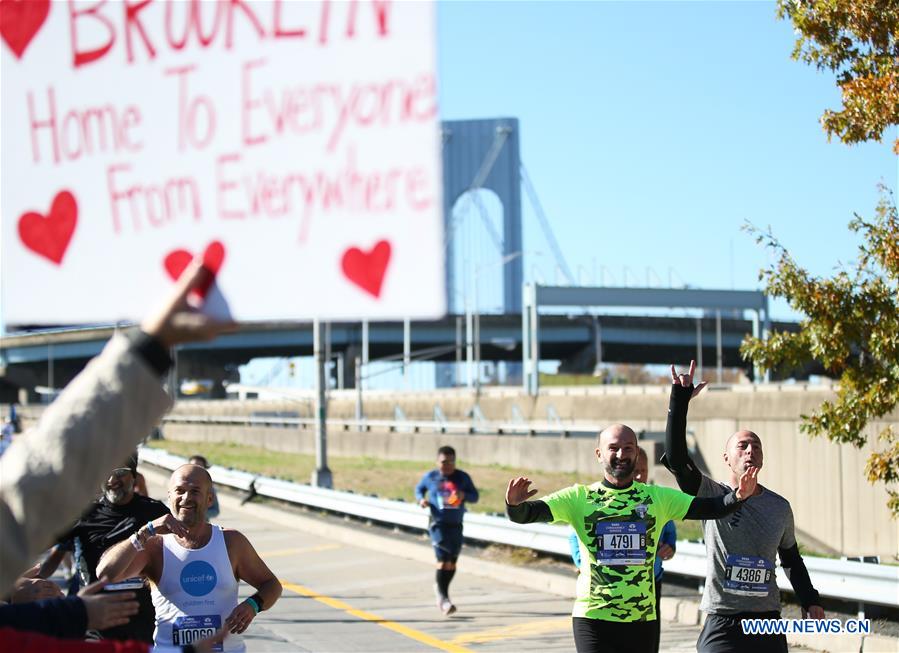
{"points": [[150, 528], [258, 600], [136, 543], [253, 604]]}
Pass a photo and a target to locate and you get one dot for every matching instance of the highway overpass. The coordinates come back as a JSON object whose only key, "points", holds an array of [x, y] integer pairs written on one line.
{"points": [[53, 358]]}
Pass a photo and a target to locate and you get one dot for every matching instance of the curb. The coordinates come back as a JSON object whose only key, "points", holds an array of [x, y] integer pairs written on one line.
{"points": [[682, 611]]}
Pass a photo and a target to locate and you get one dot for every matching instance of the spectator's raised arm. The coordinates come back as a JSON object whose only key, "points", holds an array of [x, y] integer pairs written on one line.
{"points": [[50, 474]]}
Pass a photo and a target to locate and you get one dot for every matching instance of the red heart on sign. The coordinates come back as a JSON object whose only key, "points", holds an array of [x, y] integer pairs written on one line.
{"points": [[20, 20], [177, 260], [49, 235], [367, 269]]}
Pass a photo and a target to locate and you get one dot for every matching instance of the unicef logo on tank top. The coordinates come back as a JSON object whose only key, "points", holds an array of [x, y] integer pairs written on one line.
{"points": [[198, 578]]}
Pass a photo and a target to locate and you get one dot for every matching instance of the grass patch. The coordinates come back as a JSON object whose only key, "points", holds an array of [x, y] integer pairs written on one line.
{"points": [[389, 479], [569, 379]]}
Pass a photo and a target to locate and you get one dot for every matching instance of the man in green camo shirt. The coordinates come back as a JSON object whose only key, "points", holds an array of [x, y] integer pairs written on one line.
{"points": [[618, 522]]}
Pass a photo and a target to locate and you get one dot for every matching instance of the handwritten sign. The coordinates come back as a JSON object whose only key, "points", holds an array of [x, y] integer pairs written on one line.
{"points": [[294, 145]]}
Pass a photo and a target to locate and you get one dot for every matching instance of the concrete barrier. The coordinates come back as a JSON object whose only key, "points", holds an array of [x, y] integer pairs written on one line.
{"points": [[544, 453]]}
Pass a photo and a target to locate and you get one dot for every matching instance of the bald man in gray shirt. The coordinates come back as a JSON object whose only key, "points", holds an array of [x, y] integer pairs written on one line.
{"points": [[740, 580]]}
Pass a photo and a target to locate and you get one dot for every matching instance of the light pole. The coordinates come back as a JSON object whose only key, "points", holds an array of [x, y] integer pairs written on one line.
{"points": [[321, 476], [358, 370]]}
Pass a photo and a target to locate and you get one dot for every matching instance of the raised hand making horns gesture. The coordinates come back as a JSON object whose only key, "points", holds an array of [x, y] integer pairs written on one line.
{"points": [[686, 379]]}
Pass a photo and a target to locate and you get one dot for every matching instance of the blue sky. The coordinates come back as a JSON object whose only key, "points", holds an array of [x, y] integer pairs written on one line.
{"points": [[653, 130]]}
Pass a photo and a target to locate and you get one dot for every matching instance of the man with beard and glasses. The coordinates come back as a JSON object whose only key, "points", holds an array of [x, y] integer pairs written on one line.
{"points": [[114, 517], [618, 521], [740, 580], [195, 568]]}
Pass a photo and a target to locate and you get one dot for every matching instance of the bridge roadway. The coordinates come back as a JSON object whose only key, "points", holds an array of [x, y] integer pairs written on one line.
{"points": [[53, 358], [357, 591]]}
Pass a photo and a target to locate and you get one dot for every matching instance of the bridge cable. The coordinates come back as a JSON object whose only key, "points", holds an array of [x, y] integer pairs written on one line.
{"points": [[545, 226]]}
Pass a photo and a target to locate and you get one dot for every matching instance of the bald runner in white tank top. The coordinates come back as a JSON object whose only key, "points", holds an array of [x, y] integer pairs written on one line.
{"points": [[197, 591], [195, 568]]}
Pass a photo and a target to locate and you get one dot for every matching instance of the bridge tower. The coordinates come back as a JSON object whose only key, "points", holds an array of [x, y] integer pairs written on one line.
{"points": [[480, 154]]}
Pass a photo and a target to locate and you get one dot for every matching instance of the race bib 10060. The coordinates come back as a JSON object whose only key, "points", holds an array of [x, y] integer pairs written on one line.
{"points": [[621, 543], [747, 575], [191, 629]]}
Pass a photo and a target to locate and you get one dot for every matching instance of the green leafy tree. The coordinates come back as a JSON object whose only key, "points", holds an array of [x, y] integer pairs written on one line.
{"points": [[851, 323], [851, 327], [858, 40]]}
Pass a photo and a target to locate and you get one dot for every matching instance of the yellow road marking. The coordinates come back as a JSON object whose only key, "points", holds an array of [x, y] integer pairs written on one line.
{"points": [[411, 633], [289, 552], [515, 631]]}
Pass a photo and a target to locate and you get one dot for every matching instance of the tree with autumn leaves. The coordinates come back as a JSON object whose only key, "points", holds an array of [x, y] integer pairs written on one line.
{"points": [[851, 323], [857, 40]]}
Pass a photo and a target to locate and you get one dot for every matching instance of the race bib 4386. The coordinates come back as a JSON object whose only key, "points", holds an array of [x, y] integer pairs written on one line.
{"points": [[747, 575]]}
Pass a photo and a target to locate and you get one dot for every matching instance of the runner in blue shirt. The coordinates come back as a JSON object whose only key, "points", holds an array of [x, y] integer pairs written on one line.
{"points": [[445, 491]]}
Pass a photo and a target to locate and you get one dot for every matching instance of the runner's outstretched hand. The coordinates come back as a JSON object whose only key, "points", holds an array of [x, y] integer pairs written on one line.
{"points": [[518, 491]]}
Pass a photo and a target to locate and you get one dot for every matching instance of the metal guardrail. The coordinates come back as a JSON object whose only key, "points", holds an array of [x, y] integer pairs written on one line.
{"points": [[391, 512], [396, 426], [840, 579]]}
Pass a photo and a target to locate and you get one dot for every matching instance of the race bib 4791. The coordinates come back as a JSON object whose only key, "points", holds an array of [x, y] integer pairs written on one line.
{"points": [[621, 543]]}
